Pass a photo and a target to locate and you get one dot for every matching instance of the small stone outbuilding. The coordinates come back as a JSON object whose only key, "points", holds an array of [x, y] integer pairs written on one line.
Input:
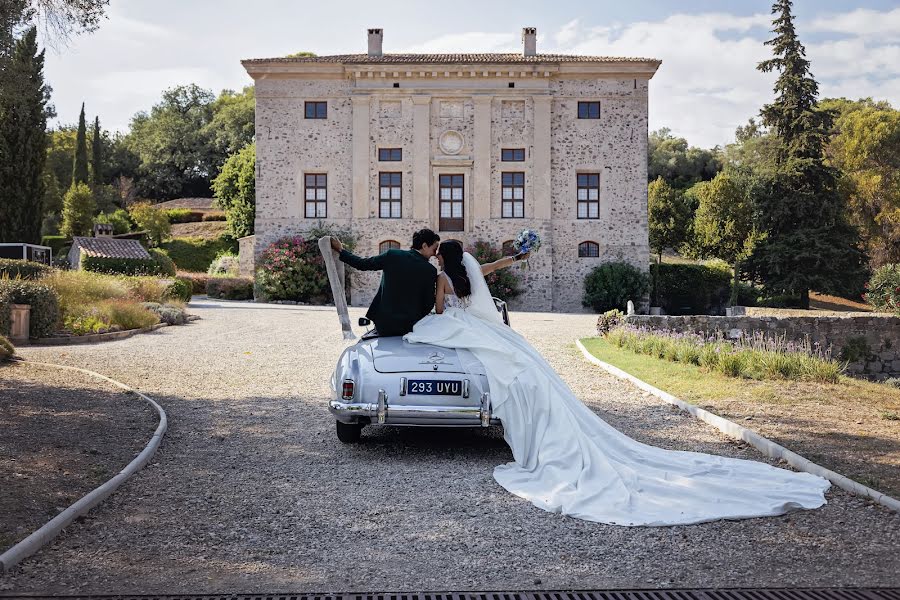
{"points": [[104, 247]]}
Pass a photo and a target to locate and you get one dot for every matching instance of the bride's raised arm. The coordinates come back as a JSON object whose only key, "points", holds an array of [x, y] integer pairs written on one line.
{"points": [[504, 262]]}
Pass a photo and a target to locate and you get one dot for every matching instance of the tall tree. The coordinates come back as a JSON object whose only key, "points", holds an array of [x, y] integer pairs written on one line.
{"points": [[80, 173], [235, 190], [678, 163], [23, 142], [669, 218], [97, 155], [78, 210], [807, 241]]}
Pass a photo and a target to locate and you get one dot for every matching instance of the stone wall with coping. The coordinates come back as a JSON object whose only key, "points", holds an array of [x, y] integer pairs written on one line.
{"points": [[872, 341]]}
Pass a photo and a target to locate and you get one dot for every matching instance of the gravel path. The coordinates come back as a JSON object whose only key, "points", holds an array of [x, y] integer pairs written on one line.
{"points": [[251, 491]]}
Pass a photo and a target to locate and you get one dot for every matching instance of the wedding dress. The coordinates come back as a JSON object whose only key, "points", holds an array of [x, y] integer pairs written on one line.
{"points": [[569, 460]]}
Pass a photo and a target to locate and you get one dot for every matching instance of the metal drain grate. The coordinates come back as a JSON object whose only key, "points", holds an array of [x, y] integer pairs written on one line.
{"points": [[696, 594]]}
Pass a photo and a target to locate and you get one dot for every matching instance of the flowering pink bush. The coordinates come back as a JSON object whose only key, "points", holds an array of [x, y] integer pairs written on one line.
{"points": [[503, 283], [293, 269]]}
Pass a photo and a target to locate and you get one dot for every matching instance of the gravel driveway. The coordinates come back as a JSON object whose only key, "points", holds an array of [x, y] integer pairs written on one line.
{"points": [[251, 491]]}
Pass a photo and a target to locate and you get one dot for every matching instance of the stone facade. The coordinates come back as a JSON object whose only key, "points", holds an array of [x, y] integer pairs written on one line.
{"points": [[453, 114], [871, 343]]}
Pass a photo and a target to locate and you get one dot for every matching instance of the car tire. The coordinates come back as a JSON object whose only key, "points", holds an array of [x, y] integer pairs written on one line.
{"points": [[348, 433]]}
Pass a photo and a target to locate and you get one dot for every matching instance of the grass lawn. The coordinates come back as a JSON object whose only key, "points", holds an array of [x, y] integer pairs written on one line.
{"points": [[852, 427]]}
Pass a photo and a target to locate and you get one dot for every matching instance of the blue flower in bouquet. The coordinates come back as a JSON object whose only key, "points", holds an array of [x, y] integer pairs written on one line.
{"points": [[527, 241]]}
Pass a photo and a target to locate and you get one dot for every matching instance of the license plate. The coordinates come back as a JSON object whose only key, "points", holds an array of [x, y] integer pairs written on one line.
{"points": [[434, 387]]}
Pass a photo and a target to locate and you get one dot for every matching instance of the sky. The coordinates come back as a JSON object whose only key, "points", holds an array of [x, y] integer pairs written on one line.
{"points": [[706, 86]]}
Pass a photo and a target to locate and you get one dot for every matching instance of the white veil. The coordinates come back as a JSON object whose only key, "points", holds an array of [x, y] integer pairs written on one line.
{"points": [[480, 302]]}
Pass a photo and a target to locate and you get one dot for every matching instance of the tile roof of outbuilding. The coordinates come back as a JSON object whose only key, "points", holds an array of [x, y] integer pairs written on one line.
{"points": [[107, 247], [479, 58]]}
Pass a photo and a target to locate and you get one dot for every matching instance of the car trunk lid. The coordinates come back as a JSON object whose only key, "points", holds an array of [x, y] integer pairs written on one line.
{"points": [[394, 355]]}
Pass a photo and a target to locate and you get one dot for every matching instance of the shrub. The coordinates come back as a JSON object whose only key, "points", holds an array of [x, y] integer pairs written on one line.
{"points": [[215, 216], [43, 300], [120, 266], [883, 290], [56, 243], [22, 269], [180, 289], [152, 220], [128, 315], [167, 313], [230, 288], [184, 215], [235, 190], [693, 289], [197, 280], [164, 265], [608, 320], [196, 254], [7, 351], [109, 315], [293, 269], [224, 264], [612, 285], [119, 220], [78, 210], [503, 283]]}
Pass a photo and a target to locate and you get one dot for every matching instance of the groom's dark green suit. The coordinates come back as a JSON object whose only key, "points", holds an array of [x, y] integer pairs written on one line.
{"points": [[406, 293]]}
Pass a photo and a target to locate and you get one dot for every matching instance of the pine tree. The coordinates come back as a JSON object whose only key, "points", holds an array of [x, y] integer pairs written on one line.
{"points": [[807, 241], [80, 172], [96, 155], [23, 142]]}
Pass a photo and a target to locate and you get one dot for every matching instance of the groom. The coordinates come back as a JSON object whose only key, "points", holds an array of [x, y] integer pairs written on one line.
{"points": [[406, 293]]}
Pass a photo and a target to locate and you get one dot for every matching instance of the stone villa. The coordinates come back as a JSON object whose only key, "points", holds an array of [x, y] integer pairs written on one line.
{"points": [[474, 146]]}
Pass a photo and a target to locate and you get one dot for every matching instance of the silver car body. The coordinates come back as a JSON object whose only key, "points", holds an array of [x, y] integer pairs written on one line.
{"points": [[387, 380]]}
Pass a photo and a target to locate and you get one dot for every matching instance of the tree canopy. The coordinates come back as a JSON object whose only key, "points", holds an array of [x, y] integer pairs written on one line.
{"points": [[679, 164]]}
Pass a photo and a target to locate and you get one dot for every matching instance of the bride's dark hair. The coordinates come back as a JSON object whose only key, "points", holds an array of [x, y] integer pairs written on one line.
{"points": [[452, 253]]}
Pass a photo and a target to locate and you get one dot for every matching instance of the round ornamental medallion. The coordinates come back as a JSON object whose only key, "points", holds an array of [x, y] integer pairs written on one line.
{"points": [[451, 142]]}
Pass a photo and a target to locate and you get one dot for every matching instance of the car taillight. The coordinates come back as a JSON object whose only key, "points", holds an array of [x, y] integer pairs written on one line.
{"points": [[347, 389]]}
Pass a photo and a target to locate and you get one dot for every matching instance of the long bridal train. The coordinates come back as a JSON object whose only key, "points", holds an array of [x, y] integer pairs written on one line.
{"points": [[569, 460]]}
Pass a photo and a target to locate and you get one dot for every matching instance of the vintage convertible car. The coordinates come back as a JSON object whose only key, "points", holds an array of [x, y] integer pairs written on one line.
{"points": [[388, 381]]}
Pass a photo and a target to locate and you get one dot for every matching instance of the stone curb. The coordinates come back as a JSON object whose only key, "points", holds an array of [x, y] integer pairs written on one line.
{"points": [[764, 445], [95, 338], [49, 530]]}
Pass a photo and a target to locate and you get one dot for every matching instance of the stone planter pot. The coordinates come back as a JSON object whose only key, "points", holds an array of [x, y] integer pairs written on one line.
{"points": [[20, 322], [655, 310]]}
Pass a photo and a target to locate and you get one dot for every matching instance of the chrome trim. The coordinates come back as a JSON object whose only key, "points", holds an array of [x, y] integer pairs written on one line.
{"points": [[465, 388], [485, 411], [382, 407], [403, 386]]}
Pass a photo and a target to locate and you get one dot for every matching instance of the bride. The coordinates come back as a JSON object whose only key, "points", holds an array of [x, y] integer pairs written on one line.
{"points": [[569, 460]]}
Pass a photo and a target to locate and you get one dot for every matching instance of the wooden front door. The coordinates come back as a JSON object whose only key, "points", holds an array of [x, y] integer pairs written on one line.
{"points": [[451, 197]]}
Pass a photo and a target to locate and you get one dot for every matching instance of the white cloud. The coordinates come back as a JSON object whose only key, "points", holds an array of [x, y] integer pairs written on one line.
{"points": [[861, 22], [476, 41], [567, 33]]}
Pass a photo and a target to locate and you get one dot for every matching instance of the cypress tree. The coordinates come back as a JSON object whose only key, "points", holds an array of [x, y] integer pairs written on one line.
{"points": [[23, 142], [807, 241], [80, 172], [96, 156]]}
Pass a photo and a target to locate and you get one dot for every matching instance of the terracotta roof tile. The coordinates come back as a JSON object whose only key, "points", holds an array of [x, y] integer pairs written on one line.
{"points": [[107, 247], [481, 58]]}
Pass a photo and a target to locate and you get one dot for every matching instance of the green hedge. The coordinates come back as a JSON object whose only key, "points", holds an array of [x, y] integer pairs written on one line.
{"points": [[6, 349], [23, 269], [56, 243], [230, 288], [180, 289], [686, 289], [164, 264], [611, 285], [120, 266], [196, 254], [184, 215], [43, 300], [215, 216]]}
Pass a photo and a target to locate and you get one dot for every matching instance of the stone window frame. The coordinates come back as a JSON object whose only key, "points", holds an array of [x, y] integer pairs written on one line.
{"points": [[587, 194], [318, 200], [315, 105], [588, 249], [390, 183], [450, 223], [512, 155], [386, 245], [512, 184], [586, 109], [390, 154]]}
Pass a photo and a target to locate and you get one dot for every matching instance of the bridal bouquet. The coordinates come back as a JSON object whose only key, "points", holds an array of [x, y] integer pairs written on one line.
{"points": [[527, 241]]}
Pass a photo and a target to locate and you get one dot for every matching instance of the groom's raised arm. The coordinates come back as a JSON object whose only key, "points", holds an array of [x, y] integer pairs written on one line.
{"points": [[374, 263]]}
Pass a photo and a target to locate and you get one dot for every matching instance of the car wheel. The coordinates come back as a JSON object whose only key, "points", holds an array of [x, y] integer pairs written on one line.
{"points": [[348, 433]]}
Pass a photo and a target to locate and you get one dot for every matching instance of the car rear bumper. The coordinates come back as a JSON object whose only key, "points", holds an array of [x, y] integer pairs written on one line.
{"points": [[399, 412]]}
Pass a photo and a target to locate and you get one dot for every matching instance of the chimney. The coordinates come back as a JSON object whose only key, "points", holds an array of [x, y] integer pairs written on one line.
{"points": [[103, 230], [529, 41], [375, 37]]}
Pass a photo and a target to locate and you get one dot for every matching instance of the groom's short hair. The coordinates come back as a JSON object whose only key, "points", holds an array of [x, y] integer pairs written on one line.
{"points": [[424, 237]]}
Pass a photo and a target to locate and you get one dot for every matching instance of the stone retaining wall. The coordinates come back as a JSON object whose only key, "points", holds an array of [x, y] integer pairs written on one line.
{"points": [[871, 344]]}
